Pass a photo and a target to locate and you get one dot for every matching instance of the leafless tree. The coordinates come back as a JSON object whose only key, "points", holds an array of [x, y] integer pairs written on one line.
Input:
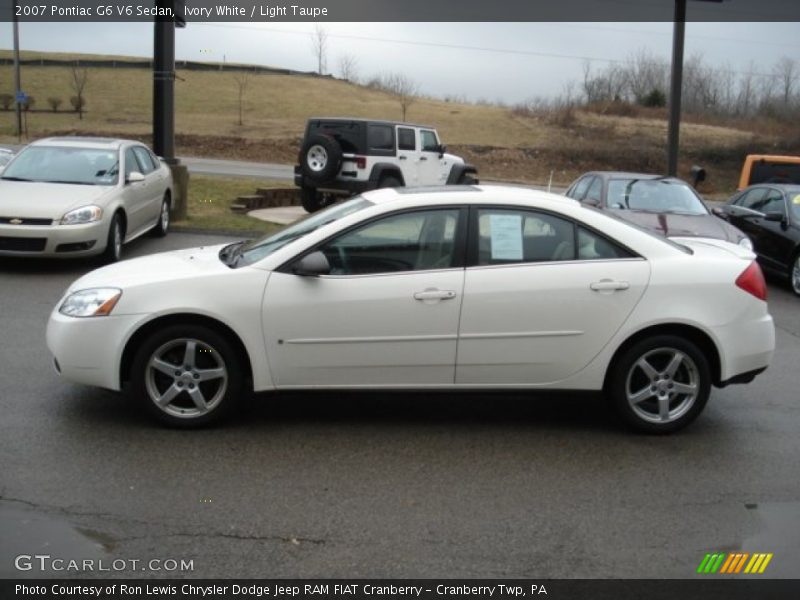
{"points": [[319, 45], [403, 88], [786, 73], [241, 78], [80, 77], [348, 68]]}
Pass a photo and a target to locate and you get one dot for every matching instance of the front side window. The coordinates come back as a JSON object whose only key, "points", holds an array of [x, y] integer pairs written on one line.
{"points": [[429, 141], [59, 164], [578, 191], [413, 241], [772, 202], [750, 198], [145, 159]]}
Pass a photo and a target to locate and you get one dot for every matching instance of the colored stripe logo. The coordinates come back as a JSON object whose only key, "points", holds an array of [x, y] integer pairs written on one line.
{"points": [[734, 563]]}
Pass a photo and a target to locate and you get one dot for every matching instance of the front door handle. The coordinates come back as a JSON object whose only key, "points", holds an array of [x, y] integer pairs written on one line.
{"points": [[609, 285], [433, 295], [423, 158]]}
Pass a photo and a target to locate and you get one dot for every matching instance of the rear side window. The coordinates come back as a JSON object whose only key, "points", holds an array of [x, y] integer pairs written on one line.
{"points": [[380, 138], [406, 140], [595, 191]]}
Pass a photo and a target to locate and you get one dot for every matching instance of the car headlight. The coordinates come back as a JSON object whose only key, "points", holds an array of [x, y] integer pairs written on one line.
{"points": [[746, 243], [84, 214], [97, 302]]}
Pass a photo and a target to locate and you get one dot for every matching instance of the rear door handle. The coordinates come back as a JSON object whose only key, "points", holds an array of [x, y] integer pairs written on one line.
{"points": [[433, 295], [609, 285]]}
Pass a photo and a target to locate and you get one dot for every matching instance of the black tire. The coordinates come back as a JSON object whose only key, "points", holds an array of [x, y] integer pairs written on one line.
{"points": [[311, 199], [162, 226], [663, 405], [116, 236], [794, 274], [320, 158], [389, 182], [183, 390], [467, 179]]}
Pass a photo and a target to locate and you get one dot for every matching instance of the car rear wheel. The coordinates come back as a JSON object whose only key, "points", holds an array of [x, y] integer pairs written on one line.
{"points": [[187, 376], [390, 182], [321, 158], [467, 179], [660, 384], [794, 275], [113, 251], [162, 227]]}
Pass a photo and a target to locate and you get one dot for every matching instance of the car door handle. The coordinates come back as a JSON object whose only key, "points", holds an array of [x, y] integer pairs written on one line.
{"points": [[433, 295], [423, 158], [608, 285], [403, 157]]}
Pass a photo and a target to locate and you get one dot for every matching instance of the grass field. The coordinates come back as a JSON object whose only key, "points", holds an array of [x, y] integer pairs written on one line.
{"points": [[209, 205], [505, 144]]}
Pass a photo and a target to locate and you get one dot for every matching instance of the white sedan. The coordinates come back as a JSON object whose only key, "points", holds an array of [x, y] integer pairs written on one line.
{"points": [[74, 196], [449, 288]]}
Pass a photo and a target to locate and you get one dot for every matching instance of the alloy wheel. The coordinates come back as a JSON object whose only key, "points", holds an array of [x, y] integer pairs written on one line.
{"points": [[662, 385]]}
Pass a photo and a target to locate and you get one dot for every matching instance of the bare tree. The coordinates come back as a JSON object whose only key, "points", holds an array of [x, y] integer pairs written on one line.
{"points": [[319, 45], [241, 78], [403, 88], [348, 68], [786, 73], [80, 77]]}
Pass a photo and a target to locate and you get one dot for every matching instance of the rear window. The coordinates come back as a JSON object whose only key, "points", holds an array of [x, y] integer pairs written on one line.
{"points": [[349, 134], [774, 172], [380, 138]]}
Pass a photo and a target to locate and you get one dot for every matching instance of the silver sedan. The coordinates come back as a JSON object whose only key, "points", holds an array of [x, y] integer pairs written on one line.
{"points": [[69, 197]]}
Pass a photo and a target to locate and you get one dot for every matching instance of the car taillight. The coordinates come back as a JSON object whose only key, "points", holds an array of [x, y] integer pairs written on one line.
{"points": [[752, 281], [361, 162]]}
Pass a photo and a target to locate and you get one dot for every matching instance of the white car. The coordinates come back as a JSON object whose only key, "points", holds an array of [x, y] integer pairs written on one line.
{"points": [[71, 197], [454, 288]]}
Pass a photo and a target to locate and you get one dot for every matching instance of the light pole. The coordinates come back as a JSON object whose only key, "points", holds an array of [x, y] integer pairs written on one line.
{"points": [[17, 84], [676, 84]]}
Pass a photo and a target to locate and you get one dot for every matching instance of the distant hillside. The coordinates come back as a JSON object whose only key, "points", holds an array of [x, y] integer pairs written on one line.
{"points": [[504, 143]]}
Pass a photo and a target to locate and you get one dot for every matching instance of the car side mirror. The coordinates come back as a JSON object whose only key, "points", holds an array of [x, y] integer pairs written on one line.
{"points": [[134, 177], [442, 149], [716, 210], [776, 217], [312, 265], [591, 201], [698, 175]]}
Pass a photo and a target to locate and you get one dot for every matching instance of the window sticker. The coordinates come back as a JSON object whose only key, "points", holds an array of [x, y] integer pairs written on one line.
{"points": [[506, 237]]}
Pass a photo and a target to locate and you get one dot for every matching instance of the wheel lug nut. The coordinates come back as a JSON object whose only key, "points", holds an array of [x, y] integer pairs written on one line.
{"points": [[180, 384], [177, 373], [191, 386], [196, 375]]}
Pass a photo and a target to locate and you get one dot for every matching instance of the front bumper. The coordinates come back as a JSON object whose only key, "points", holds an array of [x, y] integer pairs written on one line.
{"points": [[89, 350], [59, 241]]}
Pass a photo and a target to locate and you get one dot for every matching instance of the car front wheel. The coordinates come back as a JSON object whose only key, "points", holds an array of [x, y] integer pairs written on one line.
{"points": [[187, 376], [162, 227], [794, 275], [660, 384], [113, 251]]}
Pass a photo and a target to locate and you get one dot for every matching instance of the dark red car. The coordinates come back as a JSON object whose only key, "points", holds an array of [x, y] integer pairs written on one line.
{"points": [[666, 205]]}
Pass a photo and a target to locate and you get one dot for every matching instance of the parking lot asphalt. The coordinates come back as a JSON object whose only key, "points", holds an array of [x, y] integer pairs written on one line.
{"points": [[386, 485]]}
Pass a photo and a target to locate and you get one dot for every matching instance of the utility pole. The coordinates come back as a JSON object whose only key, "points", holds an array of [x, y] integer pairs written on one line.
{"points": [[676, 82], [17, 84]]}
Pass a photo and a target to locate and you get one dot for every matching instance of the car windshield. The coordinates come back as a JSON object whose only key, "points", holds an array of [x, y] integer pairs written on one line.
{"points": [[654, 195], [62, 164], [794, 201], [253, 251]]}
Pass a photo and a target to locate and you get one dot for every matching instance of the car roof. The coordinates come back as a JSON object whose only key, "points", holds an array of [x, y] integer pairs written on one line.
{"points": [[787, 187], [471, 194], [85, 142], [378, 121]]}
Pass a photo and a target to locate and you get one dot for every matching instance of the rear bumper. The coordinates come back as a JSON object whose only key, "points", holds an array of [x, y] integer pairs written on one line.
{"points": [[749, 347], [337, 186]]}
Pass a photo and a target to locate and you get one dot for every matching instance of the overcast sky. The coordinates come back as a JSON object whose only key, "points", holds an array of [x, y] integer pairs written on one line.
{"points": [[494, 61]]}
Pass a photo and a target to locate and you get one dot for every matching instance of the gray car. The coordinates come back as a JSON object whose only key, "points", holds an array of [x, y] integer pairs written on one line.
{"points": [[71, 197]]}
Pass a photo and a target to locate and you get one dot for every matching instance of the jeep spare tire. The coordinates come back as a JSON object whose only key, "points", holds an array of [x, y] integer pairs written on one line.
{"points": [[320, 158]]}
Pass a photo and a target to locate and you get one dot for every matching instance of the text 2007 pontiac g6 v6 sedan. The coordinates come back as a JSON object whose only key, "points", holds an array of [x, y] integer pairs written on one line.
{"points": [[448, 288]]}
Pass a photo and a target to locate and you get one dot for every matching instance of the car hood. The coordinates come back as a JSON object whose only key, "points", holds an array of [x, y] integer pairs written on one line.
{"points": [[155, 268], [677, 225], [452, 158], [39, 200]]}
